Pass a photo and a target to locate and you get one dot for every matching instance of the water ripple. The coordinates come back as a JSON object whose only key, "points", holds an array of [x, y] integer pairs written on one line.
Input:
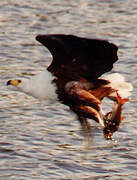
{"points": [[39, 140]]}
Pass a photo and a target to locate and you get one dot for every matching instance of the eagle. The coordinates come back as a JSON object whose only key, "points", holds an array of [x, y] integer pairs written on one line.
{"points": [[74, 79]]}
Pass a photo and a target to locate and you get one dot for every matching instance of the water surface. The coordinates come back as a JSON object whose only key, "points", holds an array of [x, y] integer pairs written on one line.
{"points": [[40, 140]]}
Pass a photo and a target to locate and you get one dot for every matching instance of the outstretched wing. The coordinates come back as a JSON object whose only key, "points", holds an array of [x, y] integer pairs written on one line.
{"points": [[77, 57]]}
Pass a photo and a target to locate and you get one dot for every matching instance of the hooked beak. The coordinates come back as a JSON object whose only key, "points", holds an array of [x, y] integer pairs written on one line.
{"points": [[9, 83], [14, 82]]}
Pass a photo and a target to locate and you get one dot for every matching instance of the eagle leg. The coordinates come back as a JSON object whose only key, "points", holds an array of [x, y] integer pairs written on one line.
{"points": [[81, 95]]}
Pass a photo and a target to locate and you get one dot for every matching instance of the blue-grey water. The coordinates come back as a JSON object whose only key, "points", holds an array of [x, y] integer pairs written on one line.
{"points": [[40, 140]]}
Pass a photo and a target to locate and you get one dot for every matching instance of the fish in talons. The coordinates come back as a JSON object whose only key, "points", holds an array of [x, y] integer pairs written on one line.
{"points": [[113, 118]]}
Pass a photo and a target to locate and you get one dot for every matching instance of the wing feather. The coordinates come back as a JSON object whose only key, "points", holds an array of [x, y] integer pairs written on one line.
{"points": [[77, 57]]}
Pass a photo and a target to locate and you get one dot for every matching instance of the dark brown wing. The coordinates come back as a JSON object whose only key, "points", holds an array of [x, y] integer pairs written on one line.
{"points": [[78, 62], [76, 57]]}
